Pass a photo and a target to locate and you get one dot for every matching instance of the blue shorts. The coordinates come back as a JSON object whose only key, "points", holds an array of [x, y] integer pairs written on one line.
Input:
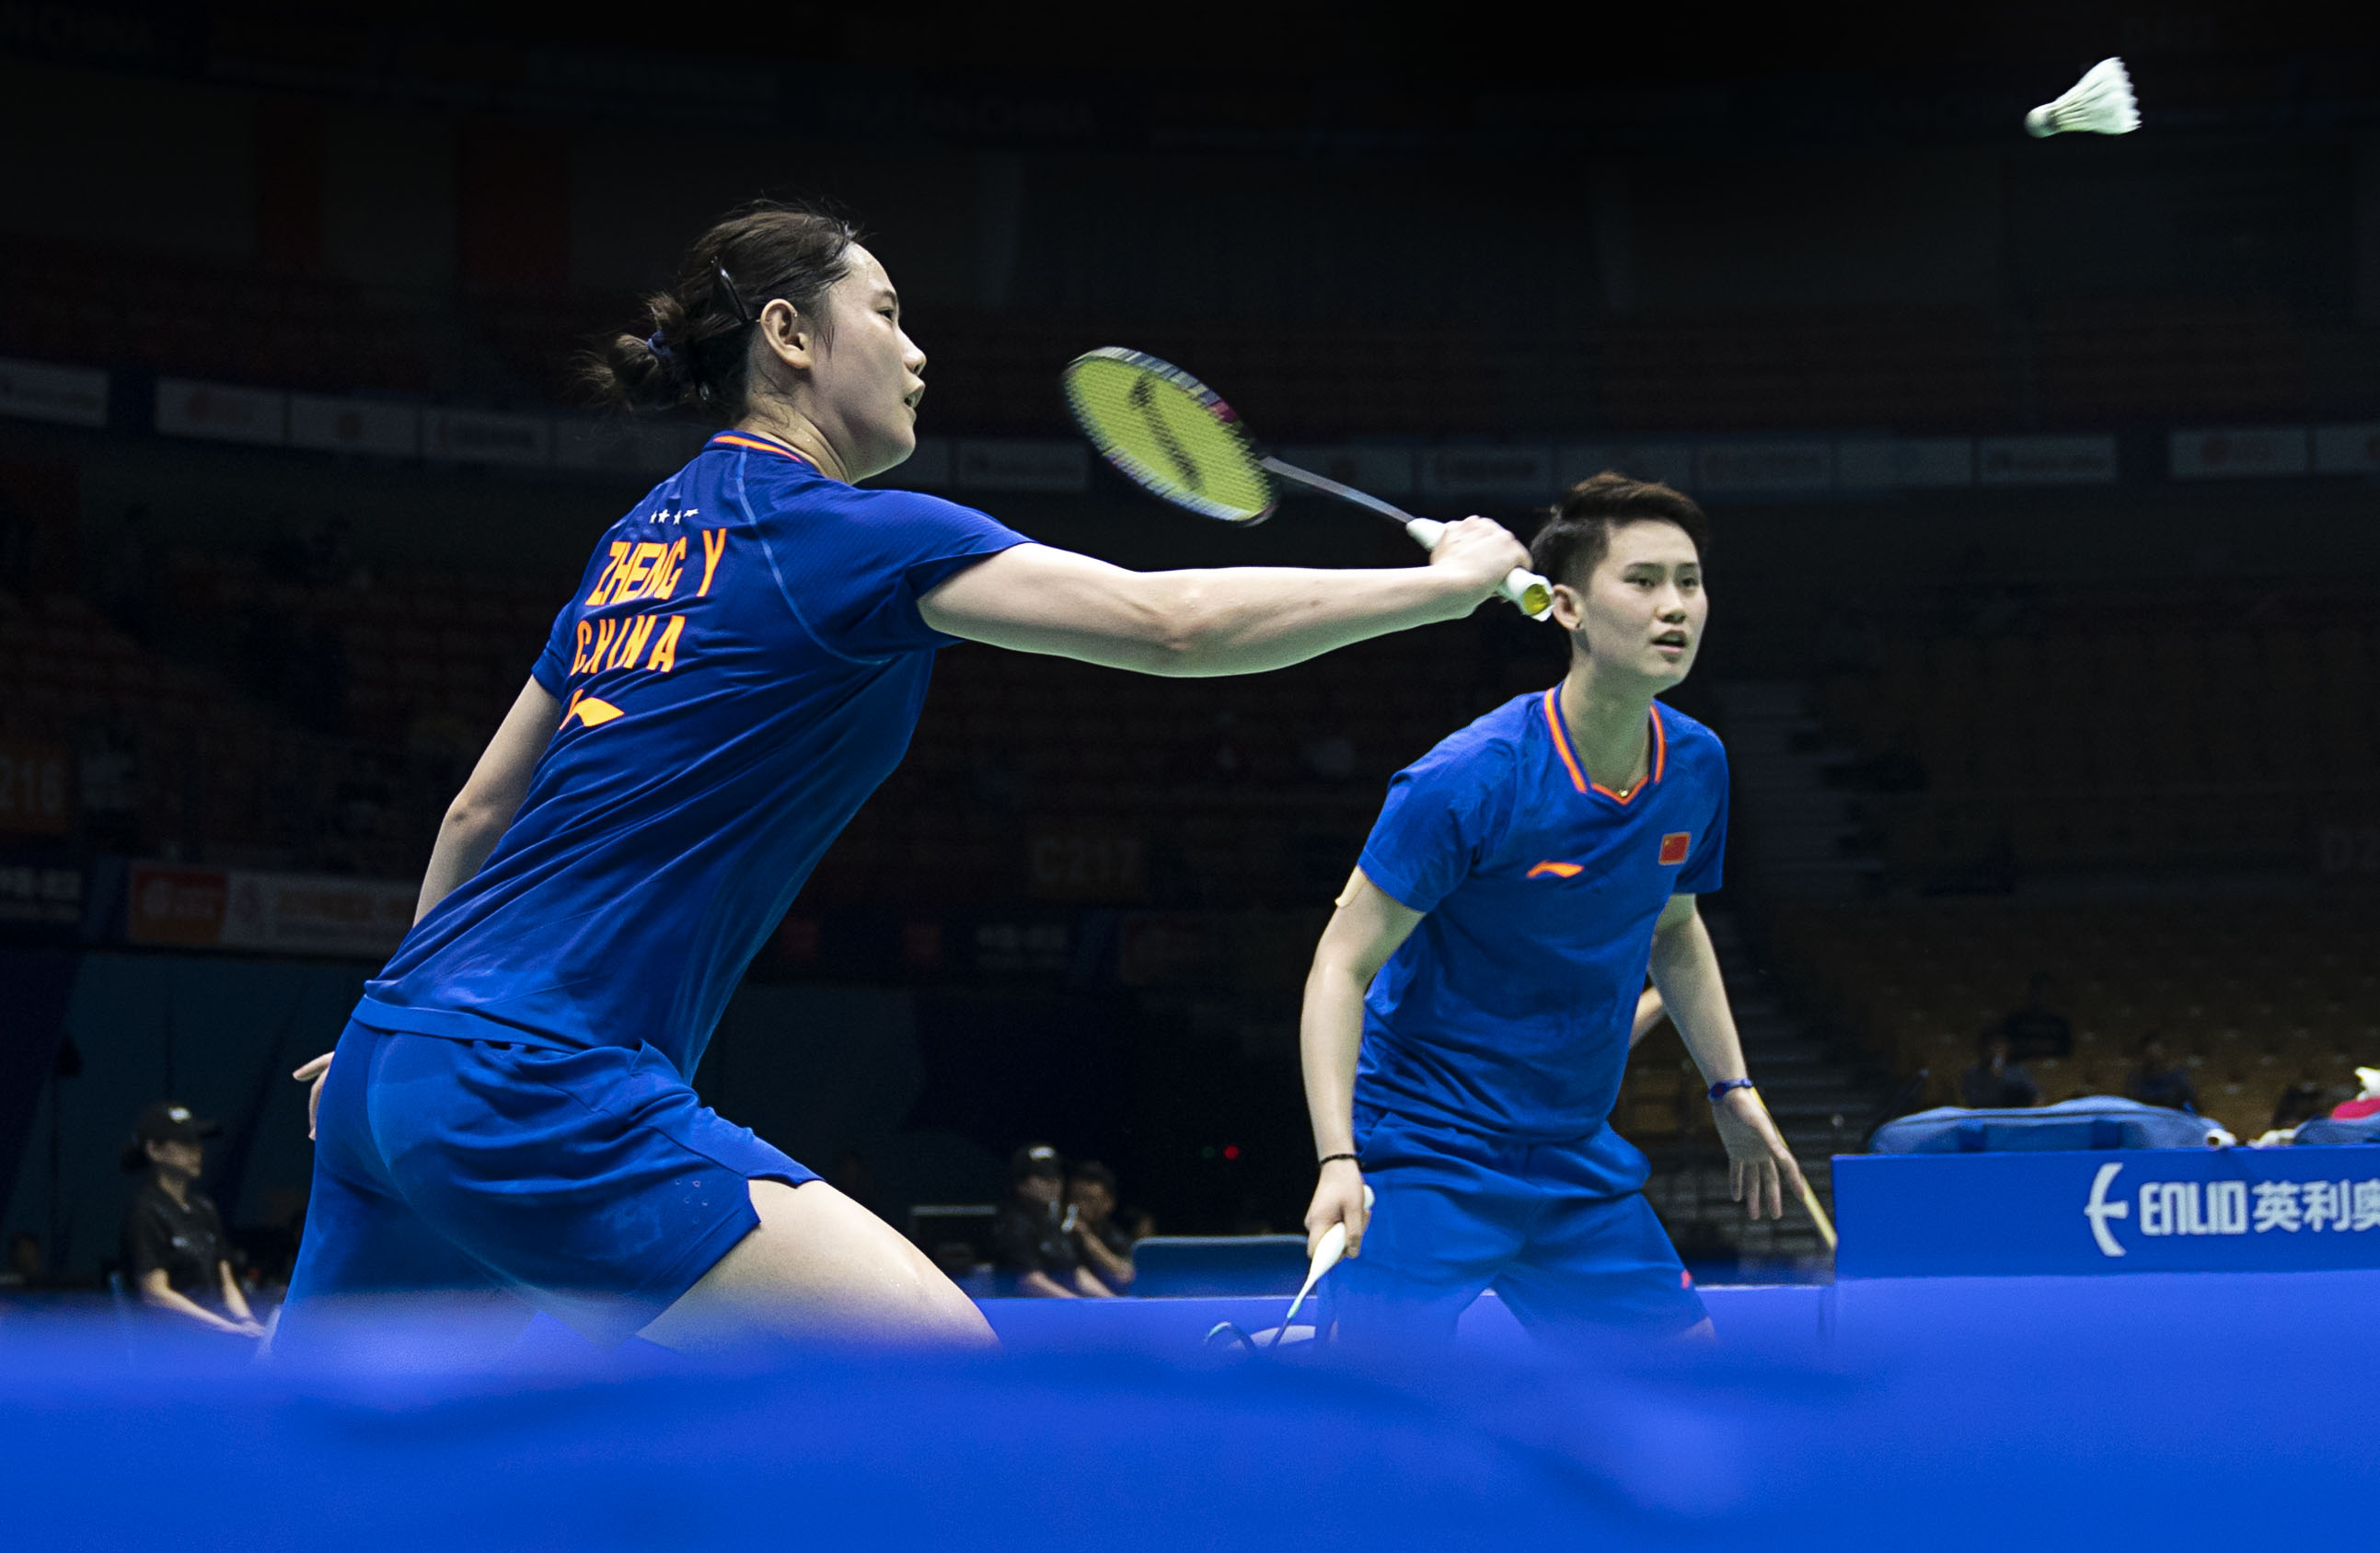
{"points": [[591, 1184], [1561, 1232]]}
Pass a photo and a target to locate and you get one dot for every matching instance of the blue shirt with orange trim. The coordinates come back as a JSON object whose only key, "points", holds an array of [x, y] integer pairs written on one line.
{"points": [[1507, 1011], [741, 666]]}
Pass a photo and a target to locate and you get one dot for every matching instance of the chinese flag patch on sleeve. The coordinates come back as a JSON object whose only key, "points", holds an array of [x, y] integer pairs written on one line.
{"points": [[1674, 848]]}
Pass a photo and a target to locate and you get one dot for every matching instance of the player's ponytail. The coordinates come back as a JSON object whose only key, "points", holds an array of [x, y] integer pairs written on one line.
{"points": [[698, 350]]}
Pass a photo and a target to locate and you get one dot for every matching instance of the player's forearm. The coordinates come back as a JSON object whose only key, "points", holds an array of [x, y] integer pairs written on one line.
{"points": [[465, 839], [1248, 619], [1686, 973], [1330, 1035]]}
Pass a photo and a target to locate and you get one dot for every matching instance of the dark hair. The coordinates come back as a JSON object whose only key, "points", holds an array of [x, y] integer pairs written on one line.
{"points": [[698, 351], [1577, 535], [1093, 1170]]}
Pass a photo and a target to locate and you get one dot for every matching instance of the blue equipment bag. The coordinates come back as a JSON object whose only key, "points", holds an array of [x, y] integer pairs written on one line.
{"points": [[2330, 1130], [2091, 1123]]}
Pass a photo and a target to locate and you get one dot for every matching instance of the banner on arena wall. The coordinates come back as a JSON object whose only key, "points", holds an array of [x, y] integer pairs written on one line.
{"points": [[332, 425], [1772, 466], [1904, 463], [1525, 472], [43, 894], [36, 788], [1021, 465], [1085, 863], [2046, 460], [2347, 450], [487, 437], [1380, 472], [242, 908], [1671, 463], [2239, 452], [2234, 1210], [222, 412], [67, 395], [602, 442]]}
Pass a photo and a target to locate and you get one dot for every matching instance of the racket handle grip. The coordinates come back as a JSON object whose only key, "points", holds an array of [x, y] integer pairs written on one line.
{"points": [[1530, 593]]}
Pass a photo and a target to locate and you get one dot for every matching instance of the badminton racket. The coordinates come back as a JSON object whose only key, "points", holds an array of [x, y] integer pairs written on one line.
{"points": [[1818, 1215], [1326, 1253], [1174, 437]]}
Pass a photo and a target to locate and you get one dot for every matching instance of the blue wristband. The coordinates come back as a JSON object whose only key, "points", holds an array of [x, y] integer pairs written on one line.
{"points": [[1722, 1087]]}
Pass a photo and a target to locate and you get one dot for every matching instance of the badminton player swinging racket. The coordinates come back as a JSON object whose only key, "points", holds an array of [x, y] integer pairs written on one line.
{"points": [[741, 665], [1470, 1006]]}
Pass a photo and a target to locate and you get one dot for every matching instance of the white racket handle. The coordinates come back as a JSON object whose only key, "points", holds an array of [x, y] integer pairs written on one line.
{"points": [[1529, 592]]}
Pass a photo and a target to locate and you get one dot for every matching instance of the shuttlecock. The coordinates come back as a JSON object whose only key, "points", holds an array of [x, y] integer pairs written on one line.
{"points": [[2100, 104]]}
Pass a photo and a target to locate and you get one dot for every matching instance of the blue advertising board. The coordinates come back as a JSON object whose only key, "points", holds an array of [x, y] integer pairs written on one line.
{"points": [[2235, 1210]]}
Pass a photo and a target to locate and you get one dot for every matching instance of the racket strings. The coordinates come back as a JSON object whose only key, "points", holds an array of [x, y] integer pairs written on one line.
{"points": [[1166, 433]]}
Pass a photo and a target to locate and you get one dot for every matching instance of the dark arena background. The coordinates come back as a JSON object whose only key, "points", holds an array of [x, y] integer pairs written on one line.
{"points": [[2044, 476]]}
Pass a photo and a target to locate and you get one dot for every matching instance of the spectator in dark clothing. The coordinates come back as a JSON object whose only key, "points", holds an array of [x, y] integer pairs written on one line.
{"points": [[1035, 1241], [2156, 1082], [175, 1252], [1091, 1204], [2036, 1029], [1996, 1084]]}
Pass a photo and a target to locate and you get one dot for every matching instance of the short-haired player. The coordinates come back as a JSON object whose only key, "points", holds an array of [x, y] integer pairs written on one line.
{"points": [[1472, 1002]]}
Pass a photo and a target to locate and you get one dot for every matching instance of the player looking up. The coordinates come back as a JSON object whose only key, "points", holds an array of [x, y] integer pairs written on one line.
{"points": [[739, 667], [1473, 1000]]}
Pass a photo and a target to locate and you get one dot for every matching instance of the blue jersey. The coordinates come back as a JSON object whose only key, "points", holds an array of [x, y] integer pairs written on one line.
{"points": [[1508, 1009], [742, 664]]}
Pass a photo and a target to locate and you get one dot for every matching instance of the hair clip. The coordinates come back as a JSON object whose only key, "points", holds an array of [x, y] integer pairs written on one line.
{"points": [[719, 268]]}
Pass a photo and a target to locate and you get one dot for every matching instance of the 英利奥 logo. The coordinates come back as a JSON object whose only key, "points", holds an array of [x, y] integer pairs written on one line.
{"points": [[2098, 1210]]}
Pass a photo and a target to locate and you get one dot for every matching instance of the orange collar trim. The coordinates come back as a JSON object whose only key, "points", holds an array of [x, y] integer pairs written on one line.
{"points": [[1578, 778], [758, 445]]}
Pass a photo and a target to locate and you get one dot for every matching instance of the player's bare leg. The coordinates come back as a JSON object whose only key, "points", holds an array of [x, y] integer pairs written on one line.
{"points": [[820, 1266]]}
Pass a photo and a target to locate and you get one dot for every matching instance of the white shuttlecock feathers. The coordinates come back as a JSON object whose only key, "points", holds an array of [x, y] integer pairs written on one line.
{"points": [[2100, 104]]}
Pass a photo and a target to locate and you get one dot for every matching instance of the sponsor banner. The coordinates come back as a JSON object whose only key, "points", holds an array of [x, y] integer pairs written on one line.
{"points": [[221, 413], [927, 468], [610, 442], [2347, 450], [2238, 452], [2046, 460], [389, 430], [1732, 467], [2234, 1210], [1020, 465], [1527, 472], [1376, 471], [1085, 863], [1671, 463], [1169, 949], [36, 788], [487, 437], [68, 396], [240, 908], [40, 895], [1904, 463]]}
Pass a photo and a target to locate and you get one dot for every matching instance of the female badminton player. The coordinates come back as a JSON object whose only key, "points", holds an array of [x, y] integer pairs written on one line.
{"points": [[742, 664], [1472, 1002]]}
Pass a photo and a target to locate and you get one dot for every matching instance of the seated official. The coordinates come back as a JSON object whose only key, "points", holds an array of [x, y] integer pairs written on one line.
{"points": [[1106, 1245], [175, 1253], [1034, 1242], [1995, 1084], [2158, 1082]]}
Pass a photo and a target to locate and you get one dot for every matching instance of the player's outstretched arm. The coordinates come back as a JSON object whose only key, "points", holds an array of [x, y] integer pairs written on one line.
{"points": [[1224, 620], [1761, 1170], [1366, 930]]}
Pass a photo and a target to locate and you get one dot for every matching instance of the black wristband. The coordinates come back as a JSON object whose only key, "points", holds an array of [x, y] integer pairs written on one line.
{"points": [[1329, 1157]]}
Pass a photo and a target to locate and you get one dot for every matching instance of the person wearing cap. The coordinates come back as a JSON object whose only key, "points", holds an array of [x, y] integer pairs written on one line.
{"points": [[1032, 1232], [173, 1247]]}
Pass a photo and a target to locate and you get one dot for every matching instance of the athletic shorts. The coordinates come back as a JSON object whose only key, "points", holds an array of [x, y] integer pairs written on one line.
{"points": [[591, 1184], [1562, 1231]]}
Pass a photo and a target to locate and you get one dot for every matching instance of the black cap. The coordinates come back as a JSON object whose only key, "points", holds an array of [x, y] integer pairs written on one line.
{"points": [[1037, 1159], [165, 1122]]}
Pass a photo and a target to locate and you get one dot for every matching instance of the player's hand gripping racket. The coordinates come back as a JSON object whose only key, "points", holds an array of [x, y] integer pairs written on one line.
{"points": [[1171, 436]]}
